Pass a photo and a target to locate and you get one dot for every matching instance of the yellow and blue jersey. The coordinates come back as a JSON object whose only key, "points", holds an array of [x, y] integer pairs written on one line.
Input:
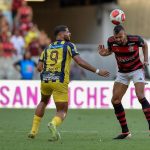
{"points": [[56, 59]]}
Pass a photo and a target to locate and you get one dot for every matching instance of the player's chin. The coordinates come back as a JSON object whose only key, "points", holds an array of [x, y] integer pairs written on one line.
{"points": [[67, 39]]}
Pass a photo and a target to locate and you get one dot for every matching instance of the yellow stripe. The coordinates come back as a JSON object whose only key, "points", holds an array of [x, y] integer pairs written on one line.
{"points": [[55, 43], [62, 42]]}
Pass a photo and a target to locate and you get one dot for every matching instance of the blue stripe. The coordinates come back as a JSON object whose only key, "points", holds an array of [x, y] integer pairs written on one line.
{"points": [[45, 59], [62, 76], [56, 46], [59, 42], [74, 53]]}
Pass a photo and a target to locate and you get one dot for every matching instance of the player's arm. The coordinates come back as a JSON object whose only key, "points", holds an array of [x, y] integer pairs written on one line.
{"points": [[145, 53], [81, 62], [104, 51], [40, 66]]}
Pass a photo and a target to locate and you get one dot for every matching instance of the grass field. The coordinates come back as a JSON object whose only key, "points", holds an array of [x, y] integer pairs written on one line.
{"points": [[82, 130]]}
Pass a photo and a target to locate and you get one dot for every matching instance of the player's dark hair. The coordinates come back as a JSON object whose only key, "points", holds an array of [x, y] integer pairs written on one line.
{"points": [[59, 28], [118, 28]]}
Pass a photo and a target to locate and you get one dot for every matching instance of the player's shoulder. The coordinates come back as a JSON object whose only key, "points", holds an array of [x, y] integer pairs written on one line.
{"points": [[111, 39], [71, 45], [133, 38], [52, 45], [48, 47]]}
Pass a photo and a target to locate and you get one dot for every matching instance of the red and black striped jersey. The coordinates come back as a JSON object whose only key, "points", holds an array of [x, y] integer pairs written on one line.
{"points": [[127, 56]]}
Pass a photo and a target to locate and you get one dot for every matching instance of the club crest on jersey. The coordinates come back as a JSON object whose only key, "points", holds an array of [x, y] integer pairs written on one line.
{"points": [[131, 48], [129, 44], [115, 44], [117, 50]]}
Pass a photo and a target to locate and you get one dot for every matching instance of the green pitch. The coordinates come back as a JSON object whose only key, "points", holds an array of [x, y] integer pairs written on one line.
{"points": [[82, 130]]}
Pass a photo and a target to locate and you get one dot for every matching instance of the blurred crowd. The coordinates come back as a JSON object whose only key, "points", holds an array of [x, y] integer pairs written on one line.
{"points": [[18, 35], [21, 42]]}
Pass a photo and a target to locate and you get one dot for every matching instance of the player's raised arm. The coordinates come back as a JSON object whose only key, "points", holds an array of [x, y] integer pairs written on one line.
{"points": [[81, 62], [103, 51]]}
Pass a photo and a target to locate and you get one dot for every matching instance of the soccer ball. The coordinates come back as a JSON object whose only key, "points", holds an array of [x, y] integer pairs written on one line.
{"points": [[117, 16]]}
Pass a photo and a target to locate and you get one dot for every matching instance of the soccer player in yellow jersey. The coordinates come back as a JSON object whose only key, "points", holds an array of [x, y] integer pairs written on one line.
{"points": [[54, 65]]}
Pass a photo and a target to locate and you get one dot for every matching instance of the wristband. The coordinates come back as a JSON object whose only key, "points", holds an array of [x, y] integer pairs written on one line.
{"points": [[97, 71]]}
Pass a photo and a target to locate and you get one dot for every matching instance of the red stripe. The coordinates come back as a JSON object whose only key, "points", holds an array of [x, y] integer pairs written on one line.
{"points": [[132, 63], [146, 110], [140, 64], [119, 55], [147, 115], [120, 114], [122, 119], [124, 49], [137, 52], [133, 38], [148, 118], [111, 39], [127, 67]]}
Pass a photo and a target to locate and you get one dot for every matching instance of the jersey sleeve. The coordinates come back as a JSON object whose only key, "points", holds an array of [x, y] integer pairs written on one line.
{"points": [[41, 59], [140, 41], [72, 50]]}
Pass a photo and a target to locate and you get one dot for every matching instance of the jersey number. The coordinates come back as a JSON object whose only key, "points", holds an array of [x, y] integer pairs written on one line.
{"points": [[54, 57]]}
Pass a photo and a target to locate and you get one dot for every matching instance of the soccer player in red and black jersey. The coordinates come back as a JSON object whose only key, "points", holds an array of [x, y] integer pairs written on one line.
{"points": [[126, 50]]}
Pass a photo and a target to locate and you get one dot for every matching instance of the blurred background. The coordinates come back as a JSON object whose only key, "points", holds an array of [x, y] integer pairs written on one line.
{"points": [[26, 28]]}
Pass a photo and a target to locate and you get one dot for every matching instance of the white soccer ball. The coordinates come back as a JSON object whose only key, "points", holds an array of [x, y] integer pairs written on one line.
{"points": [[117, 16]]}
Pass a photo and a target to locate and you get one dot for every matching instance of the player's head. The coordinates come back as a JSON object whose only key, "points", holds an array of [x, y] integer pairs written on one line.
{"points": [[120, 34], [62, 32]]}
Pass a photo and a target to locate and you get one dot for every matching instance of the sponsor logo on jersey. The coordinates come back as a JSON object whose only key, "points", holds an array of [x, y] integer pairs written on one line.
{"points": [[131, 48], [121, 59], [115, 45], [131, 44]]}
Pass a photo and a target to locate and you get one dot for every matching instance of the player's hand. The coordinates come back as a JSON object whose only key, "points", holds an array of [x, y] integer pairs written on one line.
{"points": [[101, 50], [145, 63], [104, 73]]}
